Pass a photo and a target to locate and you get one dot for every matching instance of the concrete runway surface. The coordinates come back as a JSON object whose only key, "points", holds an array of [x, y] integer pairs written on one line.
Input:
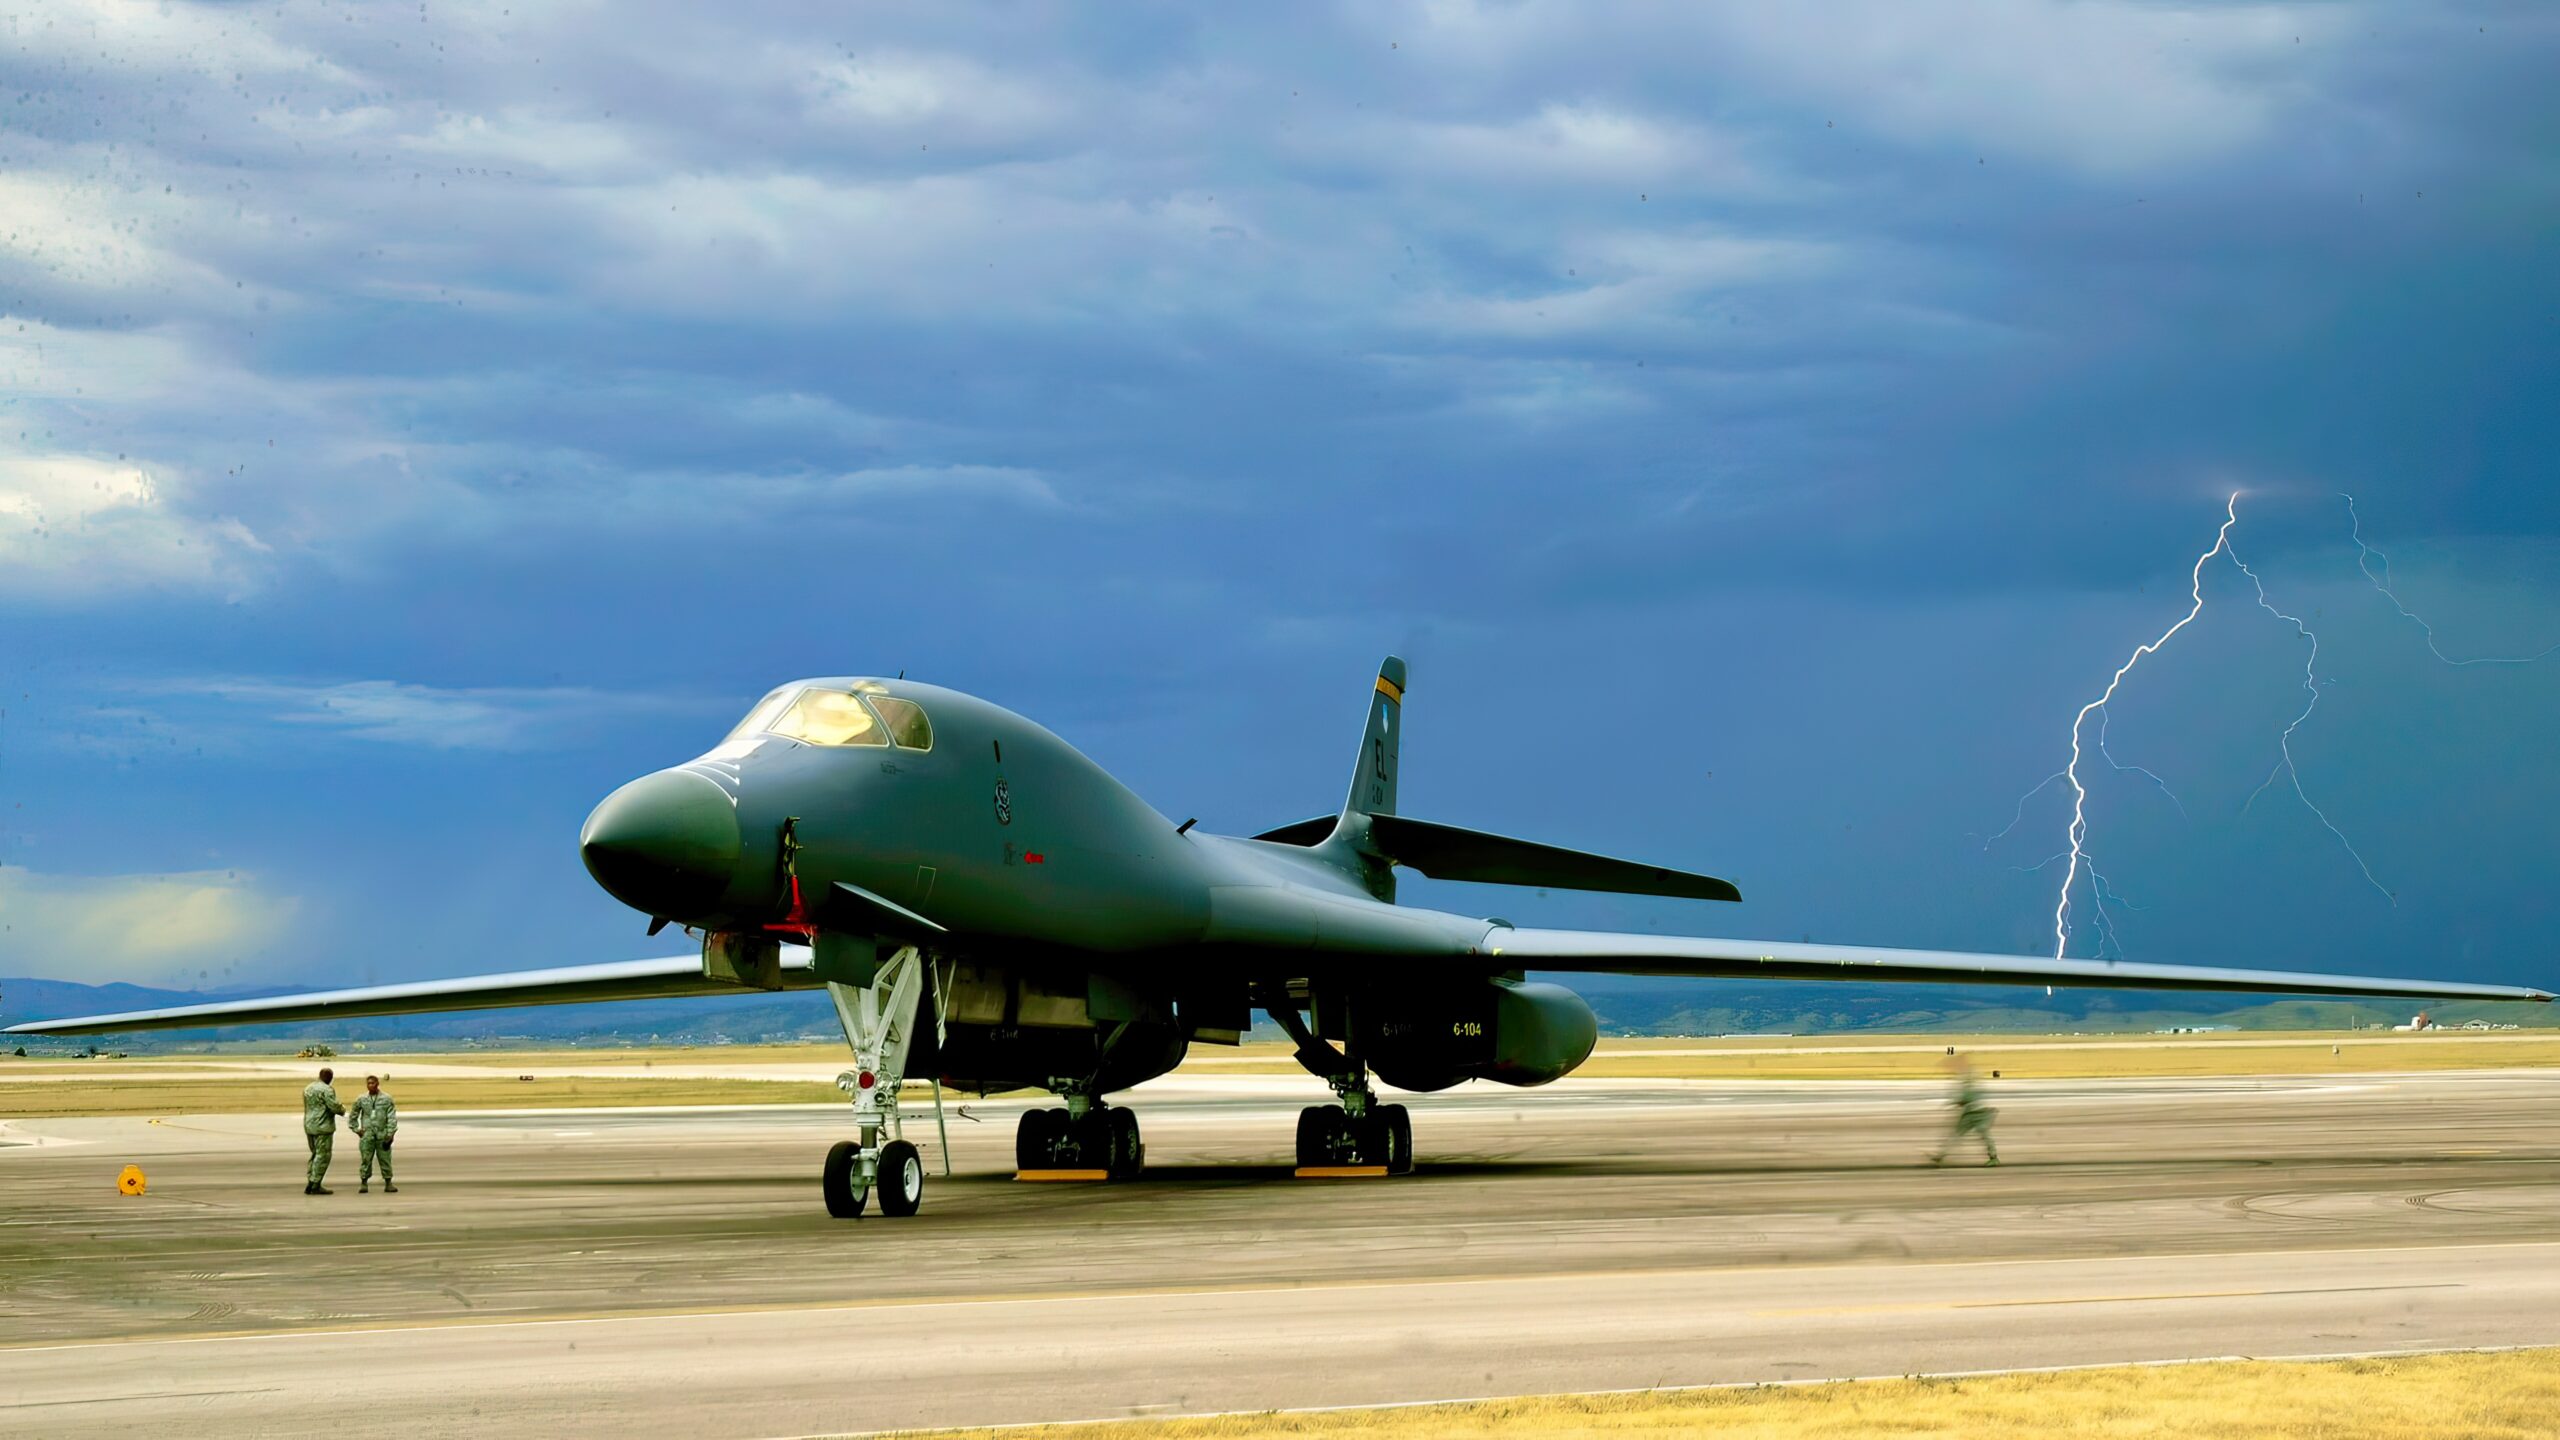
{"points": [[671, 1272]]}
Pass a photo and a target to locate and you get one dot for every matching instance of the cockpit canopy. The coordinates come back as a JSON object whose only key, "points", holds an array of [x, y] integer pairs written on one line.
{"points": [[858, 713]]}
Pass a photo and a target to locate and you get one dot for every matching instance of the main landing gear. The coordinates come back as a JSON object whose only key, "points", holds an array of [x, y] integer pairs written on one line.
{"points": [[879, 1023], [1086, 1135], [1359, 1132]]}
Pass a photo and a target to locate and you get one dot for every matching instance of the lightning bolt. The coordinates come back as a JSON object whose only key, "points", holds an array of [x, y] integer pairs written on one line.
{"points": [[2284, 742], [2376, 568], [2078, 835], [2367, 554]]}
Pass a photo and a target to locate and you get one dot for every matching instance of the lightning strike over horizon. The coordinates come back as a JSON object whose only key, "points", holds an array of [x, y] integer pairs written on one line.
{"points": [[2076, 853], [2078, 833]]}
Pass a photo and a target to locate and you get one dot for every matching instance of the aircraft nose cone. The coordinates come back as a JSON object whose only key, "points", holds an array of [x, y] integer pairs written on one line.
{"points": [[665, 844]]}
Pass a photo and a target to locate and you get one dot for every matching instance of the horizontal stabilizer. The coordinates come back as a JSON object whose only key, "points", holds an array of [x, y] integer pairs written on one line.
{"points": [[1446, 852], [1699, 956], [676, 977]]}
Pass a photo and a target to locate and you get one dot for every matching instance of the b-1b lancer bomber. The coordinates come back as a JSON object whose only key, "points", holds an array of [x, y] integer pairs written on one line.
{"points": [[987, 907]]}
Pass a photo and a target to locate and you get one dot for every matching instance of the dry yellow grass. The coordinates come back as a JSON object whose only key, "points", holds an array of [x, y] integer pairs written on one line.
{"points": [[2368, 1054], [637, 1057], [252, 1094], [1922, 1057], [2510, 1396]]}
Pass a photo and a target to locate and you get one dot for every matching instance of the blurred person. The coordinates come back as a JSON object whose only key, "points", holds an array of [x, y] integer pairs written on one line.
{"points": [[374, 1120], [1972, 1116], [320, 1109]]}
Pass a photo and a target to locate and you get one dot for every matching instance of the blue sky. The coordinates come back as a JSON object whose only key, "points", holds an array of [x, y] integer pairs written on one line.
{"points": [[1761, 427]]}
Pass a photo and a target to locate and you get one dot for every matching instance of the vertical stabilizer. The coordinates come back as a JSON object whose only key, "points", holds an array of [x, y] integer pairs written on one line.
{"points": [[1373, 780]]}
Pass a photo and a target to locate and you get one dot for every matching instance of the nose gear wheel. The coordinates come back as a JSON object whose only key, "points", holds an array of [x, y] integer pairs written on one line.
{"points": [[844, 1201], [901, 1179]]}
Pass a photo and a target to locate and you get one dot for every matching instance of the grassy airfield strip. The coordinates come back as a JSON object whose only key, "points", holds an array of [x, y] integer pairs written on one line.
{"points": [[2016, 1057], [129, 1094], [233, 1082], [2511, 1395]]}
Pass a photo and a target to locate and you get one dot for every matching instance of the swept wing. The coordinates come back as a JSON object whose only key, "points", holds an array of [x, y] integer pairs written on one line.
{"points": [[1587, 951], [1611, 953], [676, 977]]}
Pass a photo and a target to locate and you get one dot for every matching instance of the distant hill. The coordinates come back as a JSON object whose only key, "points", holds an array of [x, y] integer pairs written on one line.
{"points": [[742, 1018], [1627, 1006], [1694, 1007], [24, 1000]]}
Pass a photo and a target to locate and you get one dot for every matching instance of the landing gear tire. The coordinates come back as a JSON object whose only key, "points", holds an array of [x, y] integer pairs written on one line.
{"points": [[901, 1179], [1128, 1151], [1326, 1137], [1035, 1139], [844, 1202], [1329, 1135], [1398, 1123]]}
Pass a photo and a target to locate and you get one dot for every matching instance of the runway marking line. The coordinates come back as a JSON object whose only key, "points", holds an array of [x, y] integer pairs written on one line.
{"points": [[1923, 1306], [937, 1302], [1341, 1172], [1044, 1175]]}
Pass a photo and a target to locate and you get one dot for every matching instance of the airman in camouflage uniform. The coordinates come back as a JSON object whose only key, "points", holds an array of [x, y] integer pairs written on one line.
{"points": [[375, 1119], [1972, 1116], [320, 1112]]}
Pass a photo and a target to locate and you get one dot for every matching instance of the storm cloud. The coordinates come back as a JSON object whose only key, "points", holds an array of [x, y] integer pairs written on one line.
{"points": [[1763, 429]]}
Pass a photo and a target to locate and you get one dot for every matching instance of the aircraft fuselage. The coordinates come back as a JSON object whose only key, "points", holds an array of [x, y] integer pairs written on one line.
{"points": [[1080, 905]]}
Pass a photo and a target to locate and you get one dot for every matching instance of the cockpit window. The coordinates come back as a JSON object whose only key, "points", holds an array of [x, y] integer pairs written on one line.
{"points": [[829, 717], [762, 715], [906, 721]]}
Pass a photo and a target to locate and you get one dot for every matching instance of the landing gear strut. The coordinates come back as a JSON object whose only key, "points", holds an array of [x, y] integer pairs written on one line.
{"points": [[1357, 1132], [1085, 1135], [879, 1023]]}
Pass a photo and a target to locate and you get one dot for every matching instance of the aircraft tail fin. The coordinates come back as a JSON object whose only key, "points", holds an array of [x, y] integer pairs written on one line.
{"points": [[1373, 778]]}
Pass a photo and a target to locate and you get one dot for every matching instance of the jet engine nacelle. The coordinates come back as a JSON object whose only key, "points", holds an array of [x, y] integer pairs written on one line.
{"points": [[1514, 1032]]}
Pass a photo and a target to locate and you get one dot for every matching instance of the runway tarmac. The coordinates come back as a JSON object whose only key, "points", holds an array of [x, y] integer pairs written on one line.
{"points": [[673, 1273]]}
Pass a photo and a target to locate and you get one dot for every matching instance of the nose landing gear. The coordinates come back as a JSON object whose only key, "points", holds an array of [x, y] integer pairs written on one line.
{"points": [[879, 1022], [897, 1171]]}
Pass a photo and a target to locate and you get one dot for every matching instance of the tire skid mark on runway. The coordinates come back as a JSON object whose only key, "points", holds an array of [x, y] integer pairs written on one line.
{"points": [[2267, 1206], [16, 1405], [1150, 1293]]}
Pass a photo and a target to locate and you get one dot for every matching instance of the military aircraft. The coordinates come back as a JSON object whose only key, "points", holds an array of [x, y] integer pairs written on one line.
{"points": [[990, 909]]}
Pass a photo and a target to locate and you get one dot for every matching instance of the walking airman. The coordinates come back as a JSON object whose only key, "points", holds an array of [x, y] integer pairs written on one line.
{"points": [[1973, 1117]]}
